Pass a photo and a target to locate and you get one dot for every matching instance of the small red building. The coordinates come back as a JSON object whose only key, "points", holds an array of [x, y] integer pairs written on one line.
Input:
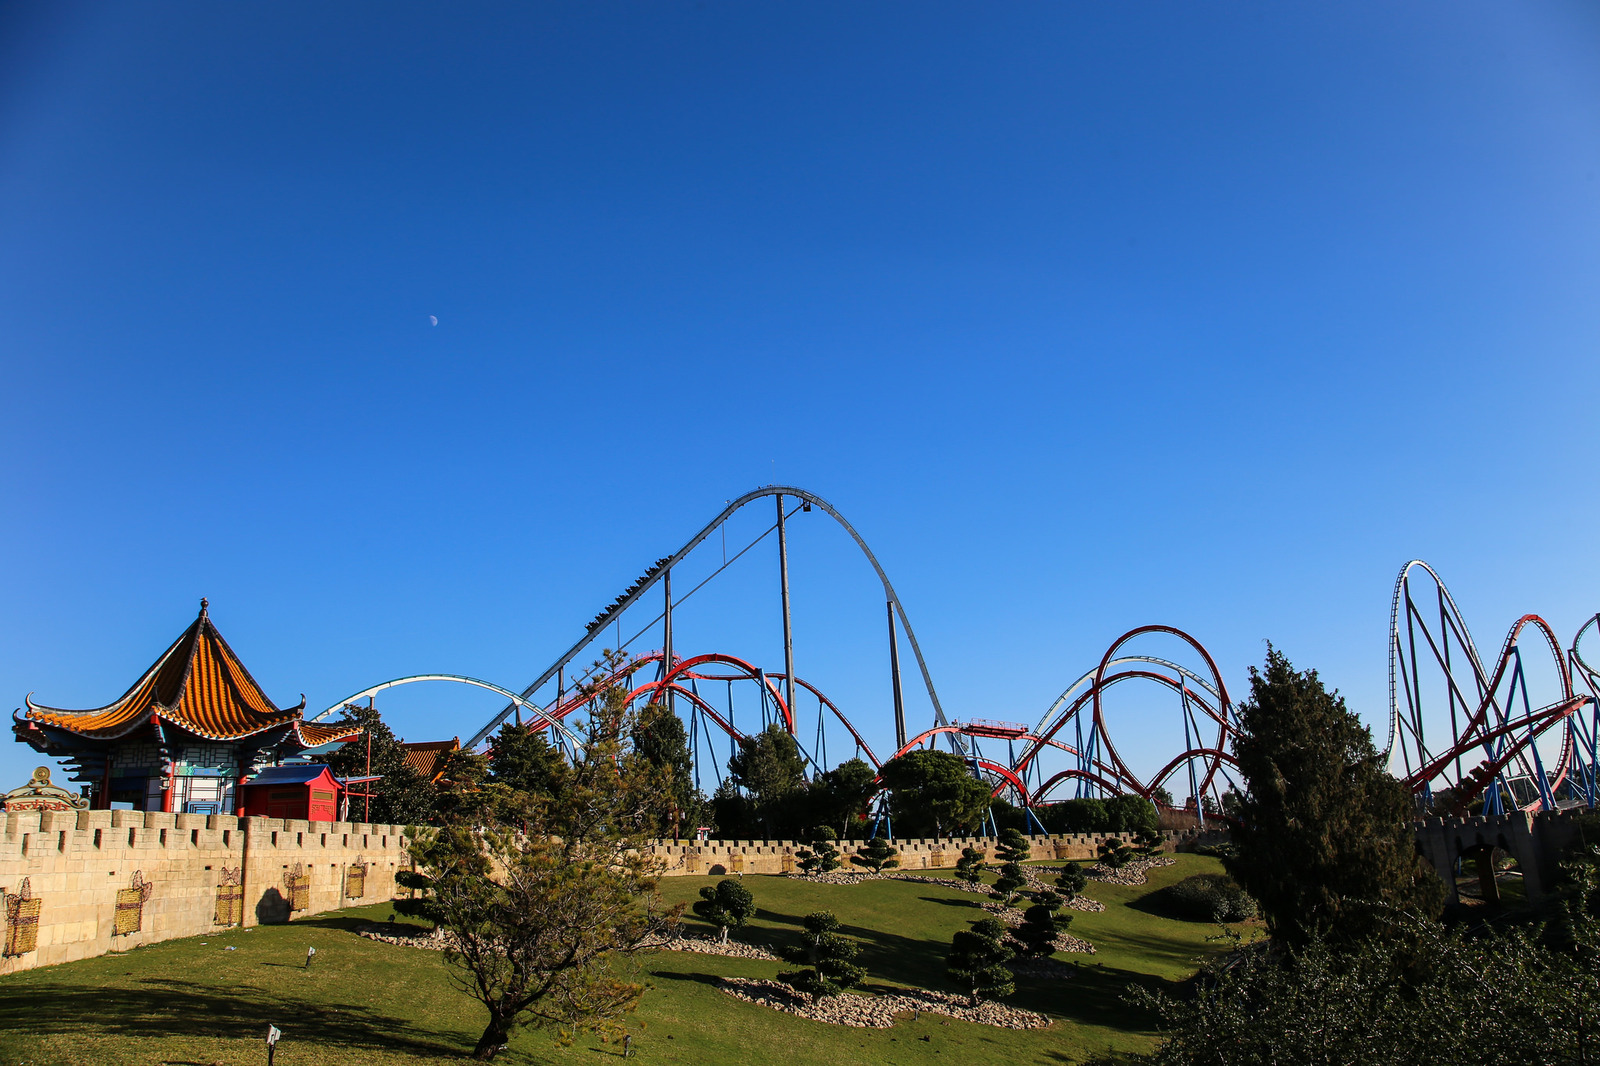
{"points": [[308, 791]]}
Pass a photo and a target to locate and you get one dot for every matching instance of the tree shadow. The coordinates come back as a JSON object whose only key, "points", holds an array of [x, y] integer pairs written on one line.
{"points": [[677, 975], [161, 1008], [950, 902]]}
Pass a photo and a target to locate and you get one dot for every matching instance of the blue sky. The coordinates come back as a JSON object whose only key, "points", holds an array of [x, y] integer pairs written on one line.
{"points": [[1086, 315]]}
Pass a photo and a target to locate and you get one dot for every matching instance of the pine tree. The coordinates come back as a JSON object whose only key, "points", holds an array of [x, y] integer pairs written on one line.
{"points": [[828, 953], [1324, 831], [970, 865], [877, 856], [978, 960], [1013, 847], [823, 855], [1114, 854], [1071, 880], [727, 906], [1009, 882], [1041, 924]]}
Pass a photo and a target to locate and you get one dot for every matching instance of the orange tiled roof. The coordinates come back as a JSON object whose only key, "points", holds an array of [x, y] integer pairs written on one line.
{"points": [[199, 685], [428, 757]]}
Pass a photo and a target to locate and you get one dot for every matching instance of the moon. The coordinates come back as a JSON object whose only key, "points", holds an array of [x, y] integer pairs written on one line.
{"points": [[433, 319]]}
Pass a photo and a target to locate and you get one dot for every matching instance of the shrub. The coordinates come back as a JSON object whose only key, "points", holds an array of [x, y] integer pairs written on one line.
{"points": [[877, 856], [978, 960], [1209, 898], [823, 855], [969, 865], [727, 906]]}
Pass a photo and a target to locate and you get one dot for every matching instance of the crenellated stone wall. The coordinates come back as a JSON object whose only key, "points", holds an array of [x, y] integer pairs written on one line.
{"points": [[1535, 840], [688, 857], [76, 863]]}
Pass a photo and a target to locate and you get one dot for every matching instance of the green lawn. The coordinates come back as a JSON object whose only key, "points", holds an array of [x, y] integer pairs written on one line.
{"points": [[363, 1002]]}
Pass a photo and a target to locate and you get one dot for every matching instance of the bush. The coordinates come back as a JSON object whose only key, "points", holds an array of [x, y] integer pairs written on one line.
{"points": [[1209, 898]]}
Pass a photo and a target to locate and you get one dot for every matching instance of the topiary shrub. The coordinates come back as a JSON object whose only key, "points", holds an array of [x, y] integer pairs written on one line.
{"points": [[1208, 898]]}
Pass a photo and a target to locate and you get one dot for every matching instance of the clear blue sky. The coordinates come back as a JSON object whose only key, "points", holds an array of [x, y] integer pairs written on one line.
{"points": [[1086, 315]]}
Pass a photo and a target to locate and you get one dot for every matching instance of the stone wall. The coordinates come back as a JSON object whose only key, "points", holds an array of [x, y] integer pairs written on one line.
{"points": [[687, 857], [1535, 841], [76, 862]]}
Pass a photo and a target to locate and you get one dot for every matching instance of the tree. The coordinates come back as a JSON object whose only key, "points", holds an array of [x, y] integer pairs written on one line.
{"points": [[659, 736], [1114, 854], [876, 856], [1149, 841], [1071, 880], [1161, 797], [1324, 831], [770, 768], [521, 759], [839, 797], [1417, 994], [823, 855], [1041, 924], [1013, 846], [828, 954], [978, 958], [537, 920], [970, 866], [732, 812], [1084, 815], [1131, 813], [1009, 882], [727, 906], [932, 793], [401, 795]]}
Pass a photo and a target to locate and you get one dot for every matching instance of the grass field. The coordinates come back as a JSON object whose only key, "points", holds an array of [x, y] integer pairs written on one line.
{"points": [[364, 1002]]}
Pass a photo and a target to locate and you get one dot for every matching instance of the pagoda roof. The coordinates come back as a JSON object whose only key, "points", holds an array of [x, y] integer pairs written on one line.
{"points": [[303, 774], [428, 757], [199, 685]]}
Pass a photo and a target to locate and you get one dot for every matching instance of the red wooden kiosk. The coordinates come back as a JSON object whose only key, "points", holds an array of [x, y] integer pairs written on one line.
{"points": [[308, 791]]}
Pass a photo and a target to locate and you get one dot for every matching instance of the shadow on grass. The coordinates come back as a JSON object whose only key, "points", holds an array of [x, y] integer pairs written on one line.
{"points": [[943, 902], [676, 975], [156, 1009]]}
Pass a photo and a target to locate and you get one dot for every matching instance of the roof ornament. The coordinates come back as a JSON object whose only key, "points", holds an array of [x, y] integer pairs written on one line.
{"points": [[204, 603]]}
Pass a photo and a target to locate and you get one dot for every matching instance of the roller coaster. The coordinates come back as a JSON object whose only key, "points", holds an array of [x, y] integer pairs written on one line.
{"points": [[1522, 731]]}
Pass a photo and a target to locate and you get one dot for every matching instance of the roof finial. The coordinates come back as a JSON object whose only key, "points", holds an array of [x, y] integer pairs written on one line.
{"points": [[204, 603]]}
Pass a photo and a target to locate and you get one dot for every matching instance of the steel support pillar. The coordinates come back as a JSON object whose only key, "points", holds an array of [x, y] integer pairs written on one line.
{"points": [[894, 678], [788, 633], [666, 638]]}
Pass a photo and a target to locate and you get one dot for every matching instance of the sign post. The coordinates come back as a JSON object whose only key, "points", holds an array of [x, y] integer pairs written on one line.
{"points": [[272, 1041]]}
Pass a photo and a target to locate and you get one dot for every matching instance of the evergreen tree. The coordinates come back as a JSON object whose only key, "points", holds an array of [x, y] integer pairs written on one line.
{"points": [[970, 865], [1324, 831], [828, 953], [770, 768], [933, 793], [1071, 880], [521, 759], [1009, 883], [1130, 813], [659, 736], [1013, 846], [978, 960], [839, 797], [1041, 924], [1114, 854], [732, 813], [401, 795], [823, 855], [727, 906], [876, 856]]}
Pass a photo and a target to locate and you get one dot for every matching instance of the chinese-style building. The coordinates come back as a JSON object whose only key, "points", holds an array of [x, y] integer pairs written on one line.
{"points": [[306, 790], [183, 737], [430, 757]]}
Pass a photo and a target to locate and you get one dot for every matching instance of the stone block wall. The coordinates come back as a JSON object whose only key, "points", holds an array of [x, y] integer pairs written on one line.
{"points": [[689, 857], [77, 861]]}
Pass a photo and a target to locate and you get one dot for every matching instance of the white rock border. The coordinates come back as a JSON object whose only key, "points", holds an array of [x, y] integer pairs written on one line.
{"points": [[878, 1012]]}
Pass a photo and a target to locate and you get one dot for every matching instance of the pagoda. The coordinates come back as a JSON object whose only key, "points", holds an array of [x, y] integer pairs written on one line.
{"points": [[183, 737]]}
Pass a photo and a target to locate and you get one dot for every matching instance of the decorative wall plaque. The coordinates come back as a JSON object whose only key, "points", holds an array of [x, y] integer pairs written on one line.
{"points": [[230, 897], [297, 885], [355, 880], [129, 915], [22, 920]]}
